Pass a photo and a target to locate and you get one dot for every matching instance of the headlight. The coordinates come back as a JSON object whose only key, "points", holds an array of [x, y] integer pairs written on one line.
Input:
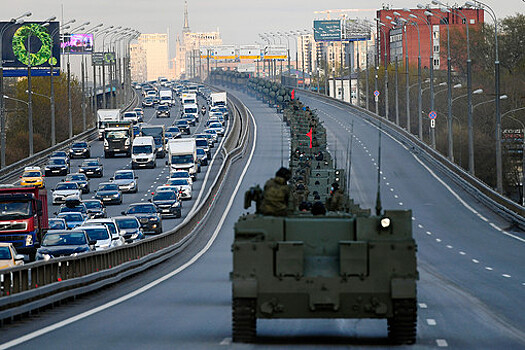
{"points": [[46, 168], [385, 222], [176, 204], [134, 236], [154, 219], [106, 143], [115, 195], [29, 240], [46, 256], [127, 142]]}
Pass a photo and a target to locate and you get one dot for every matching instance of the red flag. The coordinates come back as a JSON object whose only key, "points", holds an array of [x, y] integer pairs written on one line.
{"points": [[293, 94], [310, 134]]}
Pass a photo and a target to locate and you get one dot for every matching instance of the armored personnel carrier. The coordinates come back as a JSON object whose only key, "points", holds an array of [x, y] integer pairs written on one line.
{"points": [[344, 264]]}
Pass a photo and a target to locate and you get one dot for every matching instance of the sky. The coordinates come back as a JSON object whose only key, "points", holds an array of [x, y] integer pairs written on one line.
{"points": [[239, 21]]}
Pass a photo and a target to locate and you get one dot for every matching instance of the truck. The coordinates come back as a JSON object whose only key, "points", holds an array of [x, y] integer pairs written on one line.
{"points": [[189, 99], [23, 217], [218, 99], [183, 156], [118, 137], [166, 96], [104, 116], [158, 133]]}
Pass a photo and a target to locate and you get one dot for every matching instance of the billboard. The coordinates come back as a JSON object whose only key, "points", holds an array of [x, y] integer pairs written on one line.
{"points": [[224, 52], [30, 44], [327, 30], [77, 43]]}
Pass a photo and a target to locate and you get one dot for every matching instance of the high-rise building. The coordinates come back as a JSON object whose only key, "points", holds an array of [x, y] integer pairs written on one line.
{"points": [[188, 61], [149, 57]]}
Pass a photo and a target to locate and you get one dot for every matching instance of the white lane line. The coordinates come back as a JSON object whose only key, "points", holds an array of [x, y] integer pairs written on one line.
{"points": [[438, 240], [419, 225], [429, 233], [226, 341], [475, 261], [462, 253], [396, 196], [442, 343], [422, 306], [150, 285], [506, 275], [431, 322], [400, 203], [488, 268], [449, 246]]}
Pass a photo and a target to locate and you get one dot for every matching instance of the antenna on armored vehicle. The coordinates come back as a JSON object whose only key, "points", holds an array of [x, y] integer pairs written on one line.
{"points": [[378, 199]]}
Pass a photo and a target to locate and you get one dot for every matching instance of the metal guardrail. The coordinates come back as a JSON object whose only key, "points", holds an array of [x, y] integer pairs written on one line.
{"points": [[38, 284], [11, 172], [505, 207]]}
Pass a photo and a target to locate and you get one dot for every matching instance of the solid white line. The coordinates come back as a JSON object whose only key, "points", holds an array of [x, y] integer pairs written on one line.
{"points": [[150, 285], [431, 322], [442, 343]]}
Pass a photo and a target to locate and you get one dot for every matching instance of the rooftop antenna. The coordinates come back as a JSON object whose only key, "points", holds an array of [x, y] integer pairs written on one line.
{"points": [[378, 199]]}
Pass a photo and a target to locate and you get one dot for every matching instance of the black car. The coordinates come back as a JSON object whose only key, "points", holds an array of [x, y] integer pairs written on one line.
{"points": [[56, 166], [148, 215], [147, 102], [190, 118], [172, 132], [61, 154], [92, 168], [64, 243], [183, 126], [80, 150], [81, 179], [129, 227], [167, 203], [163, 111], [95, 208], [109, 193]]}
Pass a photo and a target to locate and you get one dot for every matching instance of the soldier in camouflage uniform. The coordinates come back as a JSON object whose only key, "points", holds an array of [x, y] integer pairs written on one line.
{"points": [[336, 200], [277, 198]]}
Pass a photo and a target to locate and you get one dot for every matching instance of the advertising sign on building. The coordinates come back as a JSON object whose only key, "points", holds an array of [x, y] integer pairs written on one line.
{"points": [[30, 44], [77, 43], [327, 30]]}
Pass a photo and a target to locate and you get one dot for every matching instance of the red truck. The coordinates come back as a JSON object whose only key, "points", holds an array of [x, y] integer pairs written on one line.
{"points": [[23, 217]]}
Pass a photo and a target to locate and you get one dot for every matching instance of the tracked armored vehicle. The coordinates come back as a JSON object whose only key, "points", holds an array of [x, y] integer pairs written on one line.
{"points": [[347, 263]]}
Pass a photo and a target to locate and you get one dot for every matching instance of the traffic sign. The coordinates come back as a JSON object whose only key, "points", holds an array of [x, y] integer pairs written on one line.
{"points": [[376, 93], [376, 98], [432, 115], [432, 123]]}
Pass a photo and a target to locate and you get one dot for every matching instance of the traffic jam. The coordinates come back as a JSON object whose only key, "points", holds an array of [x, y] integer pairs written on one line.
{"points": [[83, 200]]}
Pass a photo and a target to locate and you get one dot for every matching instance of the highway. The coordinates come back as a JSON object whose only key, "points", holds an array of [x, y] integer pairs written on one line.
{"points": [[470, 292]]}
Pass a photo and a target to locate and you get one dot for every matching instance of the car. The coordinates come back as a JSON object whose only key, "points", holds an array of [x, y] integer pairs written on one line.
{"points": [[181, 174], [202, 156], [64, 243], [81, 179], [172, 132], [56, 166], [140, 113], [156, 100], [80, 150], [184, 126], [109, 223], [95, 208], [79, 208], [162, 111], [61, 154], [212, 120], [183, 185], [225, 112], [130, 116], [92, 167], [32, 176], [129, 227], [148, 216], [190, 118], [167, 203], [147, 102], [9, 257], [100, 234], [216, 126], [203, 143], [56, 224], [64, 190], [109, 193], [73, 219], [136, 130], [209, 137], [126, 180], [213, 134]]}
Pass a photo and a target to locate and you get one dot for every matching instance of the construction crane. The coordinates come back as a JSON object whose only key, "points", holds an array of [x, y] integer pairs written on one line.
{"points": [[328, 12]]}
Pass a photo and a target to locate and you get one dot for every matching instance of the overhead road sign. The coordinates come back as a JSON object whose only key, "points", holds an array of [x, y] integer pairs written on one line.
{"points": [[327, 30], [275, 52], [102, 58], [224, 52], [249, 52]]}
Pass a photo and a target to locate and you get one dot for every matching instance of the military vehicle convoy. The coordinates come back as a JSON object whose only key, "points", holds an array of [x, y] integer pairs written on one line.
{"points": [[346, 263]]}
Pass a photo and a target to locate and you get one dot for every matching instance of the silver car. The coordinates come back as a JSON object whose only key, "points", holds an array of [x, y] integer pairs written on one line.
{"points": [[126, 180]]}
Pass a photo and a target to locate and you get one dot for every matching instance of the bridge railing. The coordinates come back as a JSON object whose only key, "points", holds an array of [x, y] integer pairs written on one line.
{"points": [[35, 285]]}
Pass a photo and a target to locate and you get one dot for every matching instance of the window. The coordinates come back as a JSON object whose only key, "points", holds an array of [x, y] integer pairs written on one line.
{"points": [[436, 48], [436, 62]]}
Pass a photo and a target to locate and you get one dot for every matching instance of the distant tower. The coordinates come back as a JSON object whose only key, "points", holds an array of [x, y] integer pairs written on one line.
{"points": [[186, 28]]}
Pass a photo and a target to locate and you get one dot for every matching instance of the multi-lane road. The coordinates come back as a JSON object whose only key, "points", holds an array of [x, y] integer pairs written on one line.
{"points": [[470, 294]]}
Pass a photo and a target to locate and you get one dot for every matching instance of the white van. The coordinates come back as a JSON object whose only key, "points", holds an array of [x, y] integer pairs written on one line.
{"points": [[143, 152]]}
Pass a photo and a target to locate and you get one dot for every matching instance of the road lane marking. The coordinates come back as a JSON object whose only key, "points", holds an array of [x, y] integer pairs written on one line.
{"points": [[226, 341], [506, 275], [462, 253], [422, 305], [475, 261], [431, 322], [152, 284], [488, 268], [442, 343]]}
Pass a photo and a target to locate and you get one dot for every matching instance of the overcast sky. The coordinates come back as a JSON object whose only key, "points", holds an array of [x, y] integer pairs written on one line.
{"points": [[239, 21]]}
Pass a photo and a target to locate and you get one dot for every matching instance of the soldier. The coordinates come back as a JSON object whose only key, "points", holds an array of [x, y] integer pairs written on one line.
{"points": [[277, 197], [336, 200], [318, 207]]}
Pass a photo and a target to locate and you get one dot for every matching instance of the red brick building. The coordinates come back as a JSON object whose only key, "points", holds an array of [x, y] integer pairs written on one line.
{"points": [[397, 35]]}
